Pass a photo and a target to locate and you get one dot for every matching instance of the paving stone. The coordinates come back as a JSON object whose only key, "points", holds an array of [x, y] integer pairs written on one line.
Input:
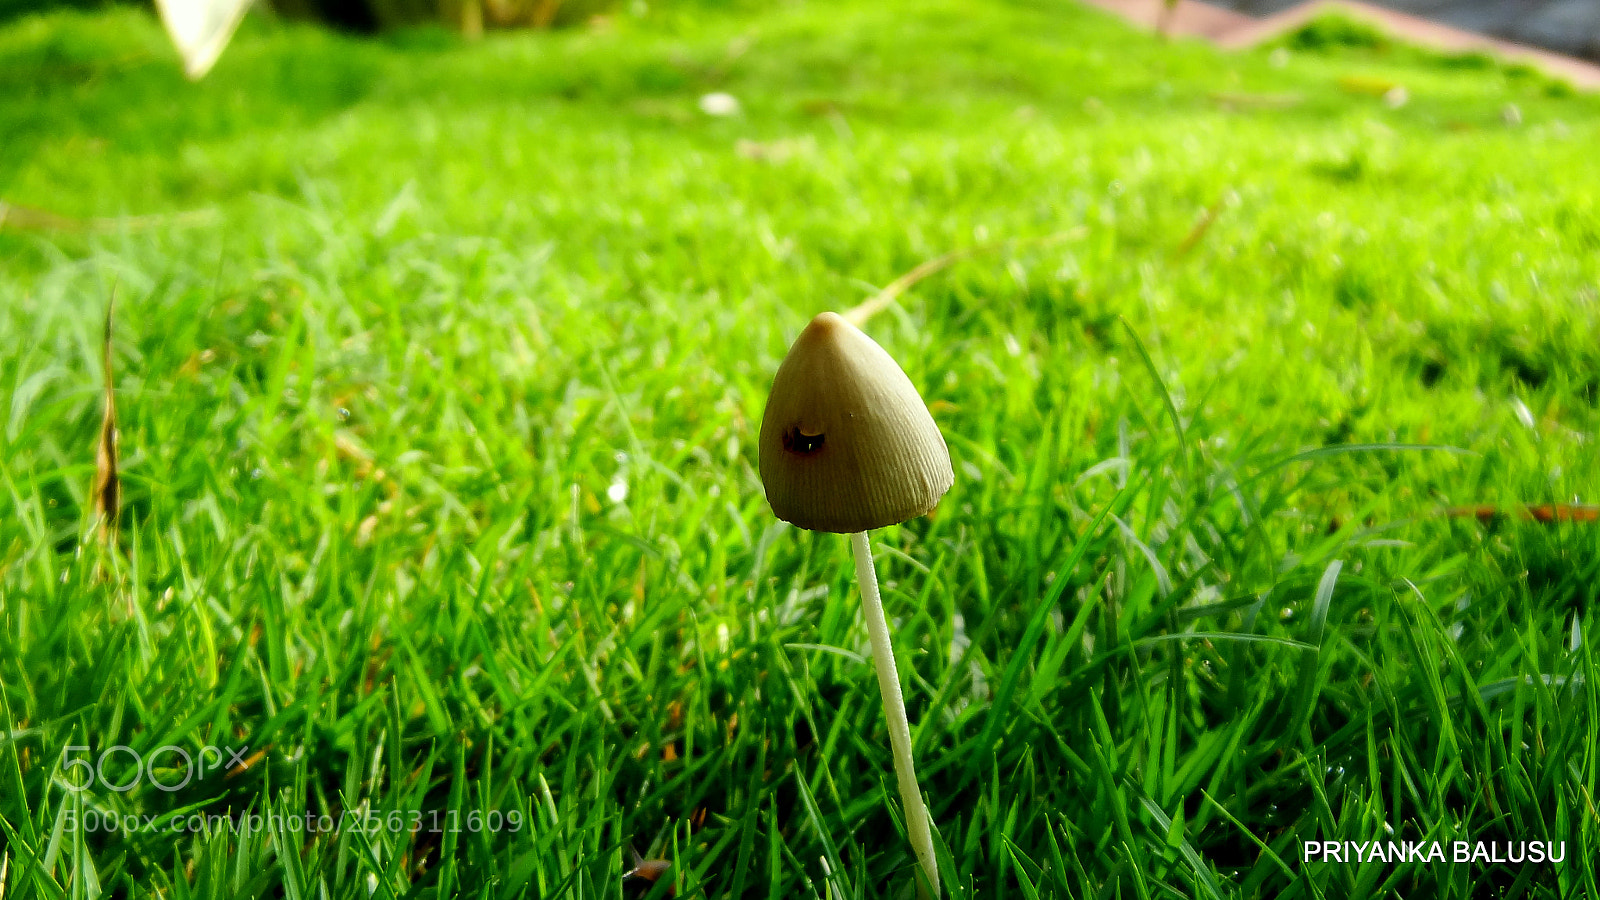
{"points": [[1234, 29], [1572, 26], [1566, 26]]}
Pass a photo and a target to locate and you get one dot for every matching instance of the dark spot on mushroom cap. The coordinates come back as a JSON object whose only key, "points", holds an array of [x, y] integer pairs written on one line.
{"points": [[846, 443], [797, 441]]}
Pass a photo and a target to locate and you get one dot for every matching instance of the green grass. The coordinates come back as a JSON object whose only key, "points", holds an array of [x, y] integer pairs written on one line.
{"points": [[439, 459]]}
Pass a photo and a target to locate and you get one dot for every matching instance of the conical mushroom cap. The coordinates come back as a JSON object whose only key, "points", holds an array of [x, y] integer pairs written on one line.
{"points": [[846, 443]]}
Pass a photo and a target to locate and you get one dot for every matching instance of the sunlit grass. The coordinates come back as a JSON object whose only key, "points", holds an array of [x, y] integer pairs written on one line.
{"points": [[439, 454]]}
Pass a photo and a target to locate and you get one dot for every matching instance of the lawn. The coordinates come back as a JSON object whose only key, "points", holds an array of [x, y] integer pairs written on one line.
{"points": [[444, 568]]}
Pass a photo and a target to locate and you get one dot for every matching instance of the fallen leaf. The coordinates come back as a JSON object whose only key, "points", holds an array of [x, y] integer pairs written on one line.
{"points": [[648, 869]]}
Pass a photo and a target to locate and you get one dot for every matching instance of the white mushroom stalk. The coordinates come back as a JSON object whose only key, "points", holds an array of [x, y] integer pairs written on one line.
{"points": [[894, 711], [847, 445]]}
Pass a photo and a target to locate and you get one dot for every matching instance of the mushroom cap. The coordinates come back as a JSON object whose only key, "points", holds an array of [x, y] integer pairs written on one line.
{"points": [[846, 442]]}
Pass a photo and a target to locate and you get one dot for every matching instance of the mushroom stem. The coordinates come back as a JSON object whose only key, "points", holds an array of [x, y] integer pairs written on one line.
{"points": [[894, 710]]}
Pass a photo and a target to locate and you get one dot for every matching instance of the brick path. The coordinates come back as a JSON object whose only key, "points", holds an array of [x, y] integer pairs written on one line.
{"points": [[1241, 26], [1565, 26]]}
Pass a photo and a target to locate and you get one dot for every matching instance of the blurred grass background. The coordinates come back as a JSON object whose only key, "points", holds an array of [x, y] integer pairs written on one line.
{"points": [[367, 16], [438, 432]]}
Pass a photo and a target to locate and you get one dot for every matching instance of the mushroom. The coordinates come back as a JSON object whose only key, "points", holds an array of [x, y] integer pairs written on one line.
{"points": [[846, 446]]}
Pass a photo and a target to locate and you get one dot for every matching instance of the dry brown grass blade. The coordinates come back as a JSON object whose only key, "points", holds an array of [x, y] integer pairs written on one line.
{"points": [[26, 218], [1244, 100], [107, 483], [1545, 512], [1201, 226], [858, 315]]}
